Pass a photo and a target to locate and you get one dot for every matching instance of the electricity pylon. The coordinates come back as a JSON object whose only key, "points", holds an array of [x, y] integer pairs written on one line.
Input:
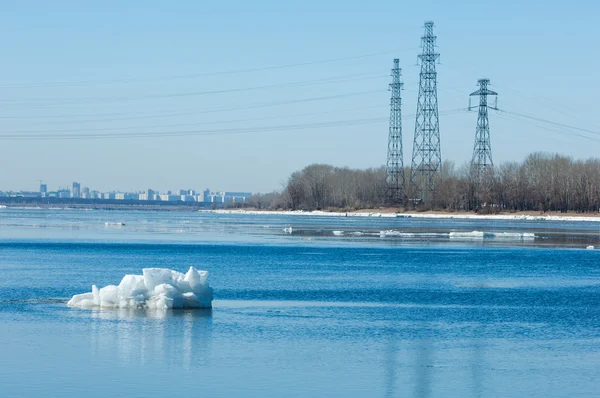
{"points": [[395, 163], [482, 150], [427, 156]]}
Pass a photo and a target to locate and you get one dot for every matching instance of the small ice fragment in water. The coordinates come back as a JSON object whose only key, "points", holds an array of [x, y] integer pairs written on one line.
{"points": [[157, 288], [338, 233], [114, 224], [287, 230], [590, 248]]}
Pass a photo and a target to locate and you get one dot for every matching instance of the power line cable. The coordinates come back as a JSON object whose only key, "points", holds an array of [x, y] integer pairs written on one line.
{"points": [[538, 119], [217, 110], [545, 101], [197, 75], [79, 100], [195, 132], [512, 117], [193, 124], [226, 131]]}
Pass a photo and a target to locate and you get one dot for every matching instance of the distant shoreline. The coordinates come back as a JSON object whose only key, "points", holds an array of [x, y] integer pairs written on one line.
{"points": [[100, 204], [108, 207], [383, 213]]}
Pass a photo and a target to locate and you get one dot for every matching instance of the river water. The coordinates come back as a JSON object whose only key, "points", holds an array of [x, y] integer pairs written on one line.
{"points": [[304, 306]]}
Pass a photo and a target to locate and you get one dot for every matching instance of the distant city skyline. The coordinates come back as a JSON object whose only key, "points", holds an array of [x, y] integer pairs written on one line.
{"points": [[243, 94], [78, 188], [76, 191]]}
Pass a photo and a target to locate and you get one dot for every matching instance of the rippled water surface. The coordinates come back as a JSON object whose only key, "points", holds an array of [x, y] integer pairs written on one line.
{"points": [[330, 306]]}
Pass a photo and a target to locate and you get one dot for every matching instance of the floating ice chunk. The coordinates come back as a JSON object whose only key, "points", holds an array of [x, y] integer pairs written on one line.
{"points": [[166, 293], [590, 248], [96, 295], [82, 300], [114, 224], [199, 290], [157, 288], [287, 230], [492, 235], [467, 235], [131, 284], [195, 278], [109, 296], [338, 233], [419, 235], [513, 235], [389, 233], [156, 276]]}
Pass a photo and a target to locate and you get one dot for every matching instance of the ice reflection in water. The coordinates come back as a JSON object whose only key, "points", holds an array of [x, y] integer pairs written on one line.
{"points": [[178, 337]]}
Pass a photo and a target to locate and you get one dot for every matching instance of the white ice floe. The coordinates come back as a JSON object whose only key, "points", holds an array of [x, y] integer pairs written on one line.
{"points": [[492, 235], [514, 235], [288, 230], [392, 232], [338, 233], [590, 248], [2, 207], [477, 235], [467, 235], [157, 288]]}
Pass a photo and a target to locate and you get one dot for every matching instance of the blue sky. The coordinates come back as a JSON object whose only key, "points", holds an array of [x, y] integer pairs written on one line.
{"points": [[113, 67]]}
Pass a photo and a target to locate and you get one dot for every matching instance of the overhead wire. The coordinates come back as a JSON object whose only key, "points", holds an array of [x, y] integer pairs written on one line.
{"points": [[543, 124], [197, 75], [227, 131], [544, 101], [194, 124], [218, 110], [223, 131], [329, 80], [541, 120]]}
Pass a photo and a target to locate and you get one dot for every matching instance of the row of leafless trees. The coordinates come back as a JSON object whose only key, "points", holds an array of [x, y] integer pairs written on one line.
{"points": [[541, 182]]}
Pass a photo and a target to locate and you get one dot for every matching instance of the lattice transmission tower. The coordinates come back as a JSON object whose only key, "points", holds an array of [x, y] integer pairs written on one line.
{"points": [[427, 156], [395, 163], [482, 150]]}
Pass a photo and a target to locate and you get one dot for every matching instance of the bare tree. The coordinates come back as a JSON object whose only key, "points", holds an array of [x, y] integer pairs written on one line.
{"points": [[545, 182]]}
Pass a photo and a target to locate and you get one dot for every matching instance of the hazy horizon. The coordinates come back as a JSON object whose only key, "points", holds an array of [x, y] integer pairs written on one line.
{"points": [[241, 95]]}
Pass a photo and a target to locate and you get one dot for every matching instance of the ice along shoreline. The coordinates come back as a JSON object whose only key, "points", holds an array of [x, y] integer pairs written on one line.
{"points": [[320, 213]]}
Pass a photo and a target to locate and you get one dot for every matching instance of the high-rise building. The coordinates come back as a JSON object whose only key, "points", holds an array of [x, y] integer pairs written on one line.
{"points": [[76, 192], [225, 197], [43, 189]]}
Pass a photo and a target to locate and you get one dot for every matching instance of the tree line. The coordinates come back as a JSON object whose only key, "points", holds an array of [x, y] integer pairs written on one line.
{"points": [[542, 182]]}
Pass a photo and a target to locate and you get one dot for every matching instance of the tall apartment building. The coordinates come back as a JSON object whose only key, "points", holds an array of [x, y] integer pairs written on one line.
{"points": [[76, 192]]}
